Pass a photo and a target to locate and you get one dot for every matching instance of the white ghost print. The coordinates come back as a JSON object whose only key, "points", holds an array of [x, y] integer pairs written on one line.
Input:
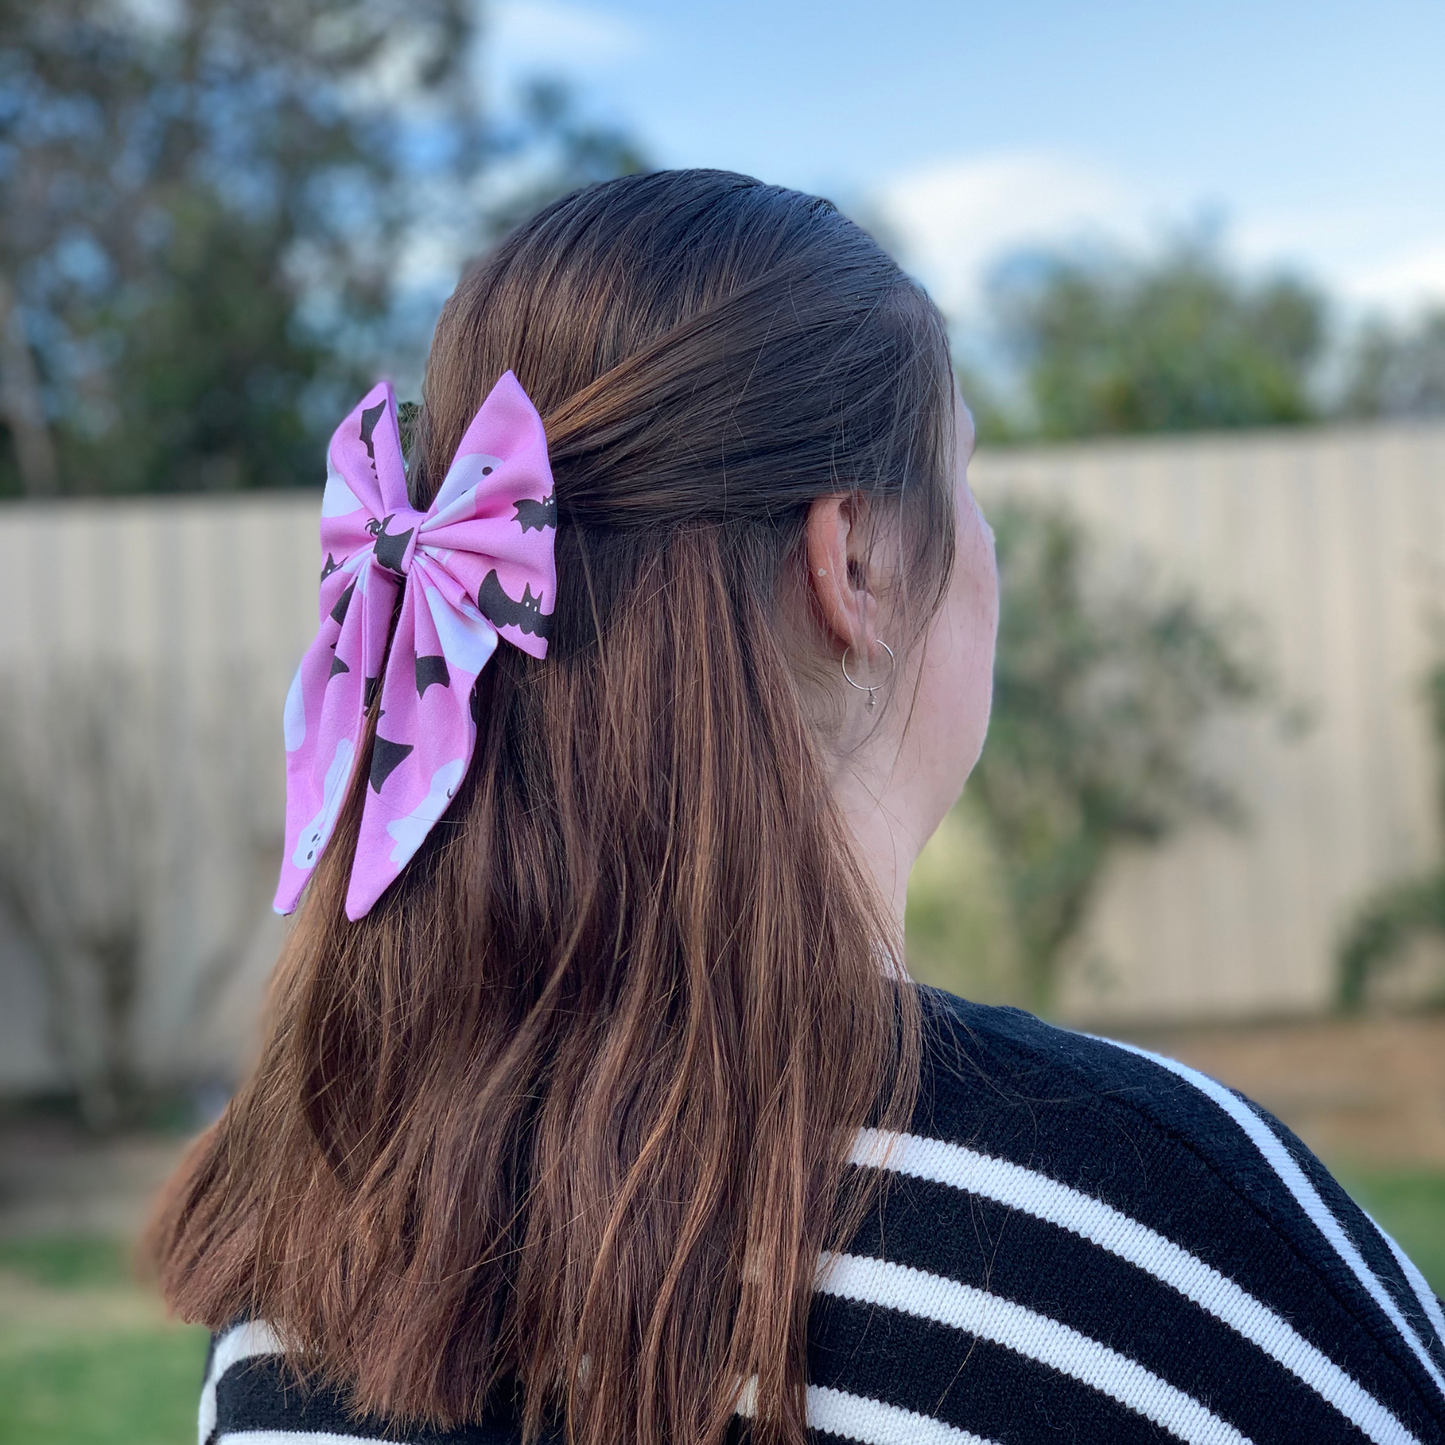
{"points": [[338, 500], [409, 831], [467, 638], [318, 830], [456, 498]]}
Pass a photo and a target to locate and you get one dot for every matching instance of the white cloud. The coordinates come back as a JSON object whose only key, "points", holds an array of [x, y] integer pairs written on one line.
{"points": [[1401, 283], [551, 36], [1325, 238], [956, 219], [1363, 257]]}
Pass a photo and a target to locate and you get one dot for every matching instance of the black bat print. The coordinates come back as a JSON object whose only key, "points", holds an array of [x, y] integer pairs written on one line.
{"points": [[502, 611], [338, 613], [390, 547], [537, 514], [385, 755], [430, 670], [369, 419]]}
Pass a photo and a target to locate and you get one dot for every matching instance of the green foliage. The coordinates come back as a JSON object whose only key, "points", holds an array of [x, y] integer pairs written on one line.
{"points": [[1173, 343], [204, 213], [1178, 341], [1398, 371], [210, 375], [180, 170], [1382, 929], [993, 422], [959, 931], [1099, 699], [1378, 937]]}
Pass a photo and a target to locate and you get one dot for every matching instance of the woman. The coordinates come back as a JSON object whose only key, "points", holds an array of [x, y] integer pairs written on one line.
{"points": [[594, 1099]]}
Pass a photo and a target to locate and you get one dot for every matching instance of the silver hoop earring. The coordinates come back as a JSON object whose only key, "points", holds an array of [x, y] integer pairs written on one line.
{"points": [[870, 689]]}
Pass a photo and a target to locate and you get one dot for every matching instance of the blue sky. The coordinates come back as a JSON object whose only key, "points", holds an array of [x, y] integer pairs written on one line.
{"points": [[1315, 133]]}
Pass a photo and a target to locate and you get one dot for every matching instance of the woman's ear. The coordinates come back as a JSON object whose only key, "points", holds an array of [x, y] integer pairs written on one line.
{"points": [[838, 569]]}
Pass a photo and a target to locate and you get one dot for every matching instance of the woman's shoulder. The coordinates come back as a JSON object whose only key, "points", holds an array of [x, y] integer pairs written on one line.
{"points": [[1168, 1144], [1126, 1242]]}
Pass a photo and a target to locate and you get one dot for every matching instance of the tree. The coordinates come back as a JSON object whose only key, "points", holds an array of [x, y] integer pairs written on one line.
{"points": [[1100, 697], [559, 150], [994, 421], [1386, 924], [1177, 343], [206, 211], [1398, 371]]}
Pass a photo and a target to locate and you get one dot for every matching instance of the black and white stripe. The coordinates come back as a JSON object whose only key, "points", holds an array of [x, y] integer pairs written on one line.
{"points": [[1106, 1228], [1076, 1241], [1279, 1158]]}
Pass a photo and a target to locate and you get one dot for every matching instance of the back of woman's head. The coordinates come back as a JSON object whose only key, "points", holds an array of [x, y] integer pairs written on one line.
{"points": [[565, 1116]]}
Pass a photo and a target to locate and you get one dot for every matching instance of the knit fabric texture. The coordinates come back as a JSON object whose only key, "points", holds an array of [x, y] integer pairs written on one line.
{"points": [[1076, 1241]]}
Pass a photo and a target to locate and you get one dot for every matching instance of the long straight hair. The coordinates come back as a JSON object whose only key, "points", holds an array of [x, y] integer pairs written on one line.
{"points": [[564, 1119]]}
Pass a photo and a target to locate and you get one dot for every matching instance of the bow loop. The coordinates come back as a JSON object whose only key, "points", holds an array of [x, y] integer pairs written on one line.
{"points": [[477, 565]]}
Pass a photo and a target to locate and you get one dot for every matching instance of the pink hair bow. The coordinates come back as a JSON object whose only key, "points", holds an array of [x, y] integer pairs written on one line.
{"points": [[476, 565]]}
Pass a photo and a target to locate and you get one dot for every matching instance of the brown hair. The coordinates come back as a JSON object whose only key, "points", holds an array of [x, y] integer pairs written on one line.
{"points": [[566, 1114]]}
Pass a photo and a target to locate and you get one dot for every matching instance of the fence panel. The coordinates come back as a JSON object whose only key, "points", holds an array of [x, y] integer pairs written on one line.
{"points": [[205, 605], [1335, 540]]}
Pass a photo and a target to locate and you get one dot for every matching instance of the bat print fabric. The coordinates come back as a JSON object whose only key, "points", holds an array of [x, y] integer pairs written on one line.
{"points": [[476, 566]]}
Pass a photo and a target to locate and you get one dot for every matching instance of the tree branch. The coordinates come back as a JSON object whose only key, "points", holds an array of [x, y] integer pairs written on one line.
{"points": [[20, 401]]}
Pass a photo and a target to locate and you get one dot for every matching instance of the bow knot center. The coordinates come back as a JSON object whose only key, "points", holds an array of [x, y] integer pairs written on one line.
{"points": [[394, 540]]}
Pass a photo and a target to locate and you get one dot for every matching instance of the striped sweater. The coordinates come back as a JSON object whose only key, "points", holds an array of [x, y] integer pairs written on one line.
{"points": [[1079, 1241]]}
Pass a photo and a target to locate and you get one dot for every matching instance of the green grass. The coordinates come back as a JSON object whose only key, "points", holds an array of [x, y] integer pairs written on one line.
{"points": [[1409, 1204], [137, 1387], [66, 1262], [86, 1357]]}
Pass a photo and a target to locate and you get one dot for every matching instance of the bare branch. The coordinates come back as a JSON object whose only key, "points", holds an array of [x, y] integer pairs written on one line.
{"points": [[20, 400]]}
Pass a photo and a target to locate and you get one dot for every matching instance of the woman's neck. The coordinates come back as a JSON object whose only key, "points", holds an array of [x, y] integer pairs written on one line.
{"points": [[883, 844]]}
